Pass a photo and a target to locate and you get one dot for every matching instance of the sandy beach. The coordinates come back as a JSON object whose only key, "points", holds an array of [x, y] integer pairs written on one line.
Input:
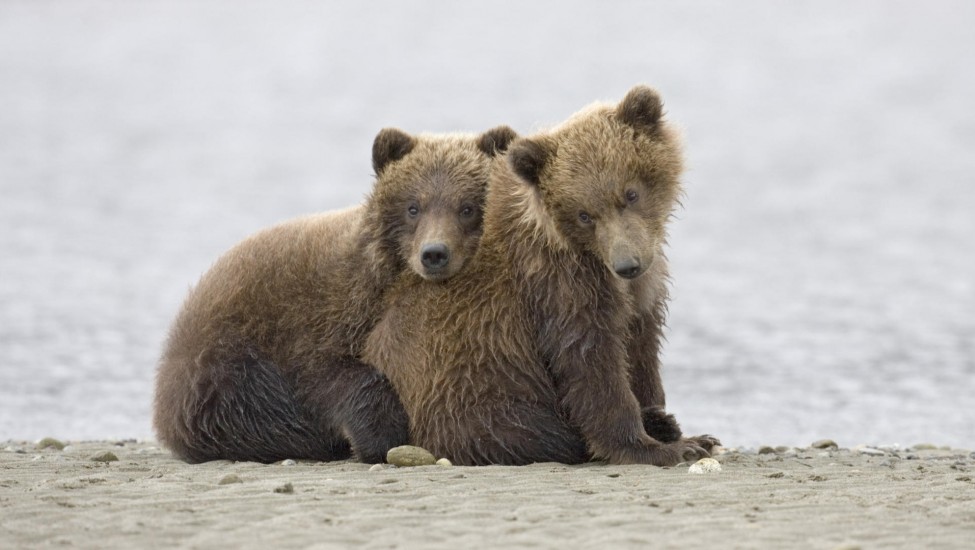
{"points": [[862, 497]]}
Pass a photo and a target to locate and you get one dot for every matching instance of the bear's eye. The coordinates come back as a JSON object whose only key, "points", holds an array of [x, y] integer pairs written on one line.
{"points": [[584, 217], [631, 196], [413, 210], [467, 211]]}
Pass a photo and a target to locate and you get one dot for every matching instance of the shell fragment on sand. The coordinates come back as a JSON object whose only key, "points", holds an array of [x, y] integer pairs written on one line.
{"points": [[705, 466], [867, 450]]}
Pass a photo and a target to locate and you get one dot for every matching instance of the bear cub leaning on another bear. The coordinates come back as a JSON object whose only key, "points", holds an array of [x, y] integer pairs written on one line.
{"points": [[546, 349], [261, 362]]}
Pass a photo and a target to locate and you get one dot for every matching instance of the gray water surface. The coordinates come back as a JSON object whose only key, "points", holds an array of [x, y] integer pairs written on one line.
{"points": [[823, 260]]}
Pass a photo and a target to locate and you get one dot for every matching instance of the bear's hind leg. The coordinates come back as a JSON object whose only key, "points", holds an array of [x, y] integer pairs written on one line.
{"points": [[355, 399], [246, 410]]}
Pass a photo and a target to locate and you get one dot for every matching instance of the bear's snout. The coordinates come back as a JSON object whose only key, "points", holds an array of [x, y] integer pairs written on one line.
{"points": [[628, 268], [435, 256]]}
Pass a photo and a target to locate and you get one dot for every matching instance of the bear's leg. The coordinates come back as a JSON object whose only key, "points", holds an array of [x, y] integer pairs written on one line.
{"points": [[591, 370], [648, 387], [355, 399], [643, 353], [245, 410]]}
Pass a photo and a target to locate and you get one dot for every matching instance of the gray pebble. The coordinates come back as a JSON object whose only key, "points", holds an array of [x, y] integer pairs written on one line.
{"points": [[106, 456], [408, 455], [446, 463], [288, 462], [824, 444], [287, 488], [377, 468], [766, 450]]}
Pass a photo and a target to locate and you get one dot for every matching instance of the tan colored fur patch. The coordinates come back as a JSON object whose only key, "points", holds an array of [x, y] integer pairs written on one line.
{"points": [[538, 219]]}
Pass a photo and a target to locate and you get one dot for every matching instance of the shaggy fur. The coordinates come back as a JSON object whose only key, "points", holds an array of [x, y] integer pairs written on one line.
{"points": [[261, 363], [546, 349]]}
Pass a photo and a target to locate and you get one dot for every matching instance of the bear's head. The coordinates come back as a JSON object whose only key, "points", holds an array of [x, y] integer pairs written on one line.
{"points": [[427, 201], [605, 182]]}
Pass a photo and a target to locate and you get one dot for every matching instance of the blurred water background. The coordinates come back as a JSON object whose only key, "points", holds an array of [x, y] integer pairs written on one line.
{"points": [[823, 260]]}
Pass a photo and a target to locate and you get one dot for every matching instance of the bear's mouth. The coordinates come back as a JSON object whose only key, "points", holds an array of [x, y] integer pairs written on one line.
{"points": [[435, 275]]}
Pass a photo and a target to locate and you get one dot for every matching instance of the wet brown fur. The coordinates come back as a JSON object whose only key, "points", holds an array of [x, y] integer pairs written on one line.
{"points": [[261, 363], [542, 352]]}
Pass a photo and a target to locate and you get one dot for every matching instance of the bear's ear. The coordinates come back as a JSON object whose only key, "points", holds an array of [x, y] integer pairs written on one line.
{"points": [[390, 145], [496, 140], [641, 108], [527, 158]]}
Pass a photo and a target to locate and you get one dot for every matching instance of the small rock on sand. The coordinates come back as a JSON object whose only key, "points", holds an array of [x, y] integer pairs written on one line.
{"points": [[231, 478], [444, 462], [825, 444], [408, 455], [106, 456], [50, 442], [287, 488], [377, 468], [705, 466], [288, 462]]}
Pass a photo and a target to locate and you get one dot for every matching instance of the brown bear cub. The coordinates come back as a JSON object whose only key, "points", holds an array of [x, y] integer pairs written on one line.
{"points": [[260, 363], [547, 348]]}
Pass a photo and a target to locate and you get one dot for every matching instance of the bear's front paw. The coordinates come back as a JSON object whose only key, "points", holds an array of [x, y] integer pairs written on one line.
{"points": [[672, 454], [661, 426], [706, 442], [650, 451]]}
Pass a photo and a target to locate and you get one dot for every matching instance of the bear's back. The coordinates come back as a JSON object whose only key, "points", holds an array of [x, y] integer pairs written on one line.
{"points": [[277, 273]]}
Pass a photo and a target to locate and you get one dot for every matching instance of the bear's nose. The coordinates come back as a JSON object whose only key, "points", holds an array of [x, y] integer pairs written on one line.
{"points": [[435, 256], [628, 268]]}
